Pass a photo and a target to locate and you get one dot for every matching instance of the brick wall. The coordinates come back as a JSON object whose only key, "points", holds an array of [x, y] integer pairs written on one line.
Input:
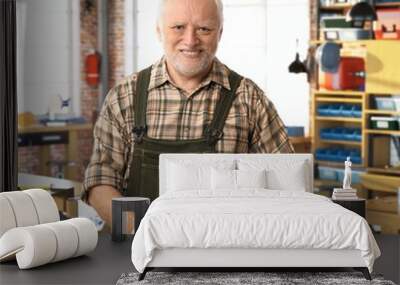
{"points": [[88, 35], [29, 157], [313, 19], [116, 41]]}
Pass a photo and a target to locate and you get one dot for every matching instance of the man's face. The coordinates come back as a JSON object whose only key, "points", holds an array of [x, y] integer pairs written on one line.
{"points": [[190, 31]]}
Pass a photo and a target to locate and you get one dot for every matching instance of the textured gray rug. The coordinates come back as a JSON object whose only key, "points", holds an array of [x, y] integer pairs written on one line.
{"points": [[242, 278]]}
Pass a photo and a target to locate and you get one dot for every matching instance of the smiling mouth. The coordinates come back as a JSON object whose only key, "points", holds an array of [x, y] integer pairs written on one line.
{"points": [[191, 53]]}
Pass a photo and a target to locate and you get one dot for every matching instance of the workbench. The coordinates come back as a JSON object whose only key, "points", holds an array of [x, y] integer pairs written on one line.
{"points": [[45, 136]]}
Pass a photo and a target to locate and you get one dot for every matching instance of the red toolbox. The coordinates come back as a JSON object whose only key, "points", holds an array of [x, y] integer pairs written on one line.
{"points": [[388, 24], [349, 76]]}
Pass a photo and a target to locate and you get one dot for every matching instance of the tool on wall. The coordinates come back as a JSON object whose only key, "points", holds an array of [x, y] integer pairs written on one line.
{"points": [[327, 56], [309, 65], [360, 14], [297, 66], [92, 68]]}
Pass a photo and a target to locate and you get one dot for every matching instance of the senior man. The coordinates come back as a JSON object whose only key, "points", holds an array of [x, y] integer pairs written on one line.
{"points": [[187, 102]]}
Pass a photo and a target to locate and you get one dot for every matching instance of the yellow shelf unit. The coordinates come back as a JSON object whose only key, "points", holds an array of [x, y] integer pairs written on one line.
{"points": [[355, 143], [335, 7], [338, 100], [370, 111], [388, 4], [319, 122], [382, 78], [382, 67], [382, 112], [345, 6], [343, 42], [382, 63], [383, 132], [337, 164], [343, 93], [338, 119]]}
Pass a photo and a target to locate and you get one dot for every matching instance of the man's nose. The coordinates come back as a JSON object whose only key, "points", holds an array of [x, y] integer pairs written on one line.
{"points": [[190, 37]]}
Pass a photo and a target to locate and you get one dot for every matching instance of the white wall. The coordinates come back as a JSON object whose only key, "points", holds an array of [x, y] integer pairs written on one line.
{"points": [[143, 48], [48, 53], [130, 37], [259, 42], [243, 46], [287, 20]]}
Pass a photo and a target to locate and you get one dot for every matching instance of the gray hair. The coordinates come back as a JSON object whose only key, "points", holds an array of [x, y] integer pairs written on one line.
{"points": [[219, 4]]}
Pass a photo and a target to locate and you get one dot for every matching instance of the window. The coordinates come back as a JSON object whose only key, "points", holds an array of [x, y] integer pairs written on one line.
{"points": [[259, 42]]}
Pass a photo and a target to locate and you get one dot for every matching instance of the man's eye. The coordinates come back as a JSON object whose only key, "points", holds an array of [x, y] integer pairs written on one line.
{"points": [[204, 30], [178, 27]]}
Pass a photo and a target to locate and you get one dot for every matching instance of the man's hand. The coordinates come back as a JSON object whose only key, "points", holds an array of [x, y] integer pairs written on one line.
{"points": [[100, 198]]}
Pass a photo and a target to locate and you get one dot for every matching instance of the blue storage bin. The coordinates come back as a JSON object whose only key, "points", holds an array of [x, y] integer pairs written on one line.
{"points": [[355, 156], [336, 110], [331, 154], [357, 135], [321, 154], [341, 155], [325, 134], [295, 131], [331, 133], [341, 133], [338, 155], [357, 111], [338, 133], [348, 136], [340, 110], [324, 110], [352, 134], [351, 110], [327, 173], [347, 110]]}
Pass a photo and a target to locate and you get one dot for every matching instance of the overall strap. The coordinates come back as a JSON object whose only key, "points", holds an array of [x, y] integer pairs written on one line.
{"points": [[142, 84], [215, 131]]}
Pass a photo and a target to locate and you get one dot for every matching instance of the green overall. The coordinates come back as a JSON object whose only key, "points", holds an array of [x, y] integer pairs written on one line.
{"points": [[143, 176]]}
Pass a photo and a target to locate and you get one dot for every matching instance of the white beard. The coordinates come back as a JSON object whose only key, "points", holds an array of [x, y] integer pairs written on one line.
{"points": [[191, 70]]}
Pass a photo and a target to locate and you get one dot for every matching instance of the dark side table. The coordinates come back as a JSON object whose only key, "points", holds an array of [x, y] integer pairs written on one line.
{"points": [[356, 205], [137, 205]]}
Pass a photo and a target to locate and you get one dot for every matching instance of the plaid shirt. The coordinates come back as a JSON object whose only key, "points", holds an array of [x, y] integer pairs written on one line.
{"points": [[252, 125]]}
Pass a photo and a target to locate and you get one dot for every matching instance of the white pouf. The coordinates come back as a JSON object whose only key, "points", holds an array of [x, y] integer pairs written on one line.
{"points": [[40, 244]]}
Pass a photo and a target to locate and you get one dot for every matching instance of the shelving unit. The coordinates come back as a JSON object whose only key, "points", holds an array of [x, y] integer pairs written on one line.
{"points": [[382, 132], [382, 112], [319, 122], [335, 164], [379, 184], [346, 6], [356, 143]]}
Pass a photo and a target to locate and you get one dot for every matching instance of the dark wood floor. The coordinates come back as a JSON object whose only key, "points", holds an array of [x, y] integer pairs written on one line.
{"points": [[96, 268], [389, 262]]}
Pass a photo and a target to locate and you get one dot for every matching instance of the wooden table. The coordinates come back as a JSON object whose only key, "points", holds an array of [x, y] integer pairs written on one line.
{"points": [[301, 144], [44, 136], [356, 205]]}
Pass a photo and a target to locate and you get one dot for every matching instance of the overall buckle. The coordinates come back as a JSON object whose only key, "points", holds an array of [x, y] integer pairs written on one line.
{"points": [[214, 135], [138, 133]]}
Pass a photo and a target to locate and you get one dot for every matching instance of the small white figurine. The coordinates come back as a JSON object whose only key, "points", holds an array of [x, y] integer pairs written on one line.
{"points": [[347, 174]]}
